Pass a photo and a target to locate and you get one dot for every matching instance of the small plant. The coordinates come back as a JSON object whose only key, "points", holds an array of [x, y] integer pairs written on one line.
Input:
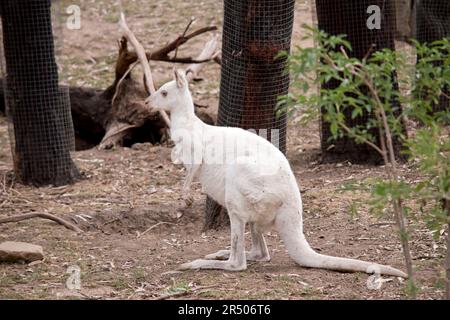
{"points": [[366, 88], [180, 287]]}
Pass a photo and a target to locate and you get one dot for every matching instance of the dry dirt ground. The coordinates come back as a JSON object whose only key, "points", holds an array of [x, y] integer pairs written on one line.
{"points": [[129, 205]]}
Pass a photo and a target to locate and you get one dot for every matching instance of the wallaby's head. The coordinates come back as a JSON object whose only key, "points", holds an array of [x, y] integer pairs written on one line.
{"points": [[172, 95]]}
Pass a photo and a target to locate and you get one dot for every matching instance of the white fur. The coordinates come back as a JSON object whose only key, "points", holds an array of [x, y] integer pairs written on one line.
{"points": [[255, 184]]}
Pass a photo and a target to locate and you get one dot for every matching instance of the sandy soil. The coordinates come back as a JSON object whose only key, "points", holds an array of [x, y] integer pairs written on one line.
{"points": [[136, 231]]}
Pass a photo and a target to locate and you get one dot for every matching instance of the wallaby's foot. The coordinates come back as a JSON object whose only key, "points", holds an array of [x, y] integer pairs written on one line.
{"points": [[213, 264], [250, 256], [188, 200], [257, 256]]}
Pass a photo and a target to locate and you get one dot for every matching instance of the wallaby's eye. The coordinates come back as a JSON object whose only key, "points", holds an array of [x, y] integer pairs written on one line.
{"points": [[164, 93]]}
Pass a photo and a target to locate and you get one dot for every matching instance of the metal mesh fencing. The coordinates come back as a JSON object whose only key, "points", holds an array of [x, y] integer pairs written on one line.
{"points": [[424, 20], [433, 24], [252, 78], [38, 109], [352, 18], [432, 20]]}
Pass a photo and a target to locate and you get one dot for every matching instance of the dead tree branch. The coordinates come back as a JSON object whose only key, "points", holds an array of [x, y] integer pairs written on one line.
{"points": [[180, 40], [208, 53], [144, 62], [162, 54], [183, 292], [184, 34]]}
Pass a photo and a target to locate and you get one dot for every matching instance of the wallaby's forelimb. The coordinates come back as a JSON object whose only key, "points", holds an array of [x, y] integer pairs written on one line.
{"points": [[191, 171]]}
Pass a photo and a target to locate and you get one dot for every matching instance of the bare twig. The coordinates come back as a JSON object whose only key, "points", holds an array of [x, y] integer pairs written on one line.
{"points": [[162, 54], [200, 106], [366, 141], [382, 224], [183, 35], [120, 128], [180, 40], [49, 216], [182, 60], [110, 221], [153, 227], [183, 293], [130, 68]]}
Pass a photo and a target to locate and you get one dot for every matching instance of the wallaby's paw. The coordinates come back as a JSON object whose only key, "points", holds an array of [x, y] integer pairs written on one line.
{"points": [[188, 201], [219, 255]]}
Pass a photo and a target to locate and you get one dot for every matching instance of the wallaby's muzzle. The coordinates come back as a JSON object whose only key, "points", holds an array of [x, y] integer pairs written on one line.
{"points": [[149, 104]]}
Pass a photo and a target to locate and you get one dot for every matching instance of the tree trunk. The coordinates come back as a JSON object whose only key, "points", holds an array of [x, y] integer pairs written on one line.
{"points": [[350, 17], [406, 22], [254, 32], [43, 132], [90, 109], [433, 24]]}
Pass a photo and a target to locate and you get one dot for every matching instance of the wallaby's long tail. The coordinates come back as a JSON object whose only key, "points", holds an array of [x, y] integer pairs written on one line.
{"points": [[290, 230]]}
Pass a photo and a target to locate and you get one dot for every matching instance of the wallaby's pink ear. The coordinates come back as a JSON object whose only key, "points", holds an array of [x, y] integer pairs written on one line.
{"points": [[180, 78]]}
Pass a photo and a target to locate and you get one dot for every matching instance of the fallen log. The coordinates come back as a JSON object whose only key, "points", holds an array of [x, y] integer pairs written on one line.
{"points": [[91, 112], [90, 108]]}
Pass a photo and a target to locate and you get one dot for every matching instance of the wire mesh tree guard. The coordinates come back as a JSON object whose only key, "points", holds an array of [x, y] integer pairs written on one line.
{"points": [[41, 128], [350, 17], [252, 78]]}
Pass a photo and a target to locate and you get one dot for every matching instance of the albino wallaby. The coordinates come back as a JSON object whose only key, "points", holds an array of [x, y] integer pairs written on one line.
{"points": [[251, 178]]}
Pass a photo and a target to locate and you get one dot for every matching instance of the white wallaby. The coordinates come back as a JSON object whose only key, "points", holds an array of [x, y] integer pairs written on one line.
{"points": [[252, 179]]}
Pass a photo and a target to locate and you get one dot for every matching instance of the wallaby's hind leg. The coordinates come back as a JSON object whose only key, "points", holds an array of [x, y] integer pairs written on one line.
{"points": [[258, 252], [236, 261]]}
